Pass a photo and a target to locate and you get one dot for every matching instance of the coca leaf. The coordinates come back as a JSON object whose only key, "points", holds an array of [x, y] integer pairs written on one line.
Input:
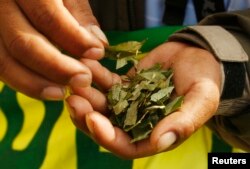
{"points": [[125, 52], [141, 101], [165, 92], [127, 47], [173, 105], [131, 115], [121, 62], [120, 106]]}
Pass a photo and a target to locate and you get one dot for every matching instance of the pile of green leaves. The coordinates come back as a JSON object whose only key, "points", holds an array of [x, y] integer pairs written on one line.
{"points": [[141, 101]]}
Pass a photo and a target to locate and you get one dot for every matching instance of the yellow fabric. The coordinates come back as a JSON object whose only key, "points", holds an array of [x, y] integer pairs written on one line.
{"points": [[32, 120], [3, 125], [62, 145], [3, 121]]}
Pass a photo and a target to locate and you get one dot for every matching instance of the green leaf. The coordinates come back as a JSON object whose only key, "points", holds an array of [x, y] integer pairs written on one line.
{"points": [[114, 94], [120, 106], [125, 52], [174, 105], [130, 46], [161, 94], [121, 62], [140, 134], [131, 115]]}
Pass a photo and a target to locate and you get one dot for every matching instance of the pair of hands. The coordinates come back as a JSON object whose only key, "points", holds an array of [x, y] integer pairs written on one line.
{"points": [[196, 76], [32, 32]]}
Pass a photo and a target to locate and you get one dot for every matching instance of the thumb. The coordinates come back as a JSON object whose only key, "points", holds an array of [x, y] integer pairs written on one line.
{"points": [[200, 104], [82, 12]]}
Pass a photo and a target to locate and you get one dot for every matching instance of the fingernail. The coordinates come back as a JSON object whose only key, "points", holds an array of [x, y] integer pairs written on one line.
{"points": [[71, 110], [166, 140], [94, 53], [53, 93], [99, 33], [89, 124], [80, 80]]}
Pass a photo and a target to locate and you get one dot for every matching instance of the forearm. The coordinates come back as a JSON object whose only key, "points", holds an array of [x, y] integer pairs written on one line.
{"points": [[226, 35]]}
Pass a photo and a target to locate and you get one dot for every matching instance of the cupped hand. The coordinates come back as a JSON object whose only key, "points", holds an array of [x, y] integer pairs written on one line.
{"points": [[197, 76], [31, 34]]}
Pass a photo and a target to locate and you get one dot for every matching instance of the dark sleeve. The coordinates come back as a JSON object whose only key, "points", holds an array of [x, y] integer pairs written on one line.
{"points": [[227, 36]]}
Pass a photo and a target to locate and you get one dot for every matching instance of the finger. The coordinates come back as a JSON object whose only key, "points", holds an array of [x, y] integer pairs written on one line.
{"points": [[101, 75], [96, 98], [114, 139], [199, 105], [34, 51], [78, 107], [22, 79], [104, 79], [102, 131], [82, 12], [55, 21]]}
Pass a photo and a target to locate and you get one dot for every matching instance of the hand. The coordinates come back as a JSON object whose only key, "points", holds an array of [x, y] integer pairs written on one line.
{"points": [[29, 32], [197, 76]]}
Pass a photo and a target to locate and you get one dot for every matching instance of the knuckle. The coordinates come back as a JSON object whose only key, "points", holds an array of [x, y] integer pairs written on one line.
{"points": [[86, 13], [83, 9], [45, 17], [212, 102], [186, 127], [19, 43]]}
